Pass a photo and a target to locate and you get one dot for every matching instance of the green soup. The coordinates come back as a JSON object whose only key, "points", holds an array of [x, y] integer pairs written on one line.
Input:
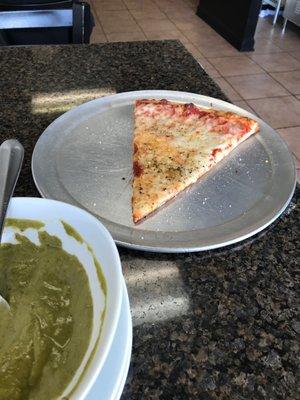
{"points": [[45, 336]]}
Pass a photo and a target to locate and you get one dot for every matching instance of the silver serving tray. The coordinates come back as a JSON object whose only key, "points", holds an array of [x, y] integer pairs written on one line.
{"points": [[85, 158]]}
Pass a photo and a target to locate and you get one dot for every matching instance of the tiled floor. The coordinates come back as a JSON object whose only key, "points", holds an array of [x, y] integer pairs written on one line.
{"points": [[266, 81]]}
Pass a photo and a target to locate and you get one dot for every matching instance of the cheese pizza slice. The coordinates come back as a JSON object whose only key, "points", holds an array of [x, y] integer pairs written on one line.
{"points": [[175, 144]]}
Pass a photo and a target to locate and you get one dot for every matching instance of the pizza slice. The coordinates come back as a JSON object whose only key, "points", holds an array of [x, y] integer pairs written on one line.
{"points": [[175, 144]]}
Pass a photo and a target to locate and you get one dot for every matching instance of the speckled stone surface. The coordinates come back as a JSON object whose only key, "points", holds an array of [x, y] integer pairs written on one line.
{"points": [[214, 325], [220, 324]]}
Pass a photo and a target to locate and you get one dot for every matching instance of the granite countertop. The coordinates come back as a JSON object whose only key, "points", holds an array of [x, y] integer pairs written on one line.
{"points": [[214, 325]]}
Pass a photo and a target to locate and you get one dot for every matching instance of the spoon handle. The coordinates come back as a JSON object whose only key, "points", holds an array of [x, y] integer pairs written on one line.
{"points": [[11, 159]]}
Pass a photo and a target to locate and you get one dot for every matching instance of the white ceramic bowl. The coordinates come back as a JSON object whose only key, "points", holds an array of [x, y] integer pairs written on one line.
{"points": [[98, 238]]}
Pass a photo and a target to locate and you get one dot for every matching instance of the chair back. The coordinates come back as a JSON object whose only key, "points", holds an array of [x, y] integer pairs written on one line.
{"points": [[24, 22]]}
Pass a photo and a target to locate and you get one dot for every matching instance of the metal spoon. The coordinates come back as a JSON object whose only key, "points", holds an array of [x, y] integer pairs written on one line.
{"points": [[11, 159]]}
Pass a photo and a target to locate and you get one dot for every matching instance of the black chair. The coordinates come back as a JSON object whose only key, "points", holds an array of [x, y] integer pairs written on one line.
{"points": [[25, 22]]}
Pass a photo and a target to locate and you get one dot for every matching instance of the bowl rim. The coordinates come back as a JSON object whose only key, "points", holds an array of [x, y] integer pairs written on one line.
{"points": [[99, 354]]}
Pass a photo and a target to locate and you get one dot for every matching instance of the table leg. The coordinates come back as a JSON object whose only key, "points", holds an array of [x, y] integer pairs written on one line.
{"points": [[277, 12], [284, 25]]}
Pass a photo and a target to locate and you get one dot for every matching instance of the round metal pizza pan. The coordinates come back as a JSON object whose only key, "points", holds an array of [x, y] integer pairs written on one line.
{"points": [[85, 158]]}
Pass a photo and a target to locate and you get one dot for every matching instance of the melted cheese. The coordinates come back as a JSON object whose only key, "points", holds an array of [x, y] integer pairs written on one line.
{"points": [[173, 150]]}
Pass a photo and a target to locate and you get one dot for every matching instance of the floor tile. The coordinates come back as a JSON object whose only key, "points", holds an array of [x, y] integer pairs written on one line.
{"points": [[256, 86], [263, 46], [243, 104], [276, 62], [181, 13], [206, 65], [192, 27], [193, 50], [114, 21], [211, 44], [264, 24], [167, 5], [141, 15], [288, 43], [200, 39], [209, 69], [193, 4], [227, 89], [152, 25], [114, 26], [269, 32], [109, 5], [230, 66], [273, 32], [126, 36], [292, 138], [140, 5], [98, 38], [91, 3], [187, 16], [165, 35], [266, 29], [97, 30], [113, 14], [279, 112], [290, 80], [97, 35], [295, 54]]}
